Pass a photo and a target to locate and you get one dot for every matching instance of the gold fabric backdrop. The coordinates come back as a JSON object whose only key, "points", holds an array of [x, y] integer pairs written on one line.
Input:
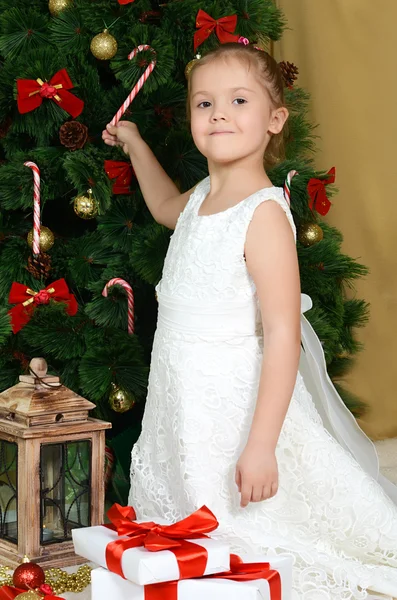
{"points": [[345, 52]]}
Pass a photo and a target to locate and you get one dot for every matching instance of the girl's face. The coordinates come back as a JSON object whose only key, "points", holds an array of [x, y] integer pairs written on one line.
{"points": [[231, 113]]}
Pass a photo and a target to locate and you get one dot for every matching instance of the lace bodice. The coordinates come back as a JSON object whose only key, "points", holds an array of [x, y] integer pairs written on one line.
{"points": [[205, 260]]}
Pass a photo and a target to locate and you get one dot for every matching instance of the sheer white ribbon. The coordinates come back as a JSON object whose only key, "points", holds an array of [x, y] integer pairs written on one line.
{"points": [[337, 418]]}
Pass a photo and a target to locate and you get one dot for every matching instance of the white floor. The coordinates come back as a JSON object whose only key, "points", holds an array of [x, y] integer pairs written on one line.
{"points": [[387, 450]]}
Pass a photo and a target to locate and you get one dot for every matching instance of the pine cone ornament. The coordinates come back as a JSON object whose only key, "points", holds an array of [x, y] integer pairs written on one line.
{"points": [[73, 134], [289, 72], [39, 266]]}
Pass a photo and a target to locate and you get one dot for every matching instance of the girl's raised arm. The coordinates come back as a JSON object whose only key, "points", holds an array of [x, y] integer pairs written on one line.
{"points": [[160, 193]]}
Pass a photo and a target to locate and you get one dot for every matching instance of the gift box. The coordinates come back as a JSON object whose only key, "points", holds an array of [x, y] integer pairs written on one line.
{"points": [[107, 585], [148, 552]]}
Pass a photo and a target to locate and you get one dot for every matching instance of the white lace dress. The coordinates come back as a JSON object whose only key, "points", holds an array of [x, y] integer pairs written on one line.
{"points": [[329, 513]]}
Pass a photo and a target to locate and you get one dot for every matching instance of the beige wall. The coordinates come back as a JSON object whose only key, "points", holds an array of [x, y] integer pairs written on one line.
{"points": [[345, 52]]}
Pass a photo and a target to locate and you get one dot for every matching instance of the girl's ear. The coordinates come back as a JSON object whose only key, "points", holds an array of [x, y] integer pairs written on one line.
{"points": [[278, 119]]}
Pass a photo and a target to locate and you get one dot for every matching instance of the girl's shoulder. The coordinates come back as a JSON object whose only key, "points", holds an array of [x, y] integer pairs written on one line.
{"points": [[274, 194]]}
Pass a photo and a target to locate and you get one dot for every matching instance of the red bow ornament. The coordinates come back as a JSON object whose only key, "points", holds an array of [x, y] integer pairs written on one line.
{"points": [[122, 172], [318, 195], [191, 558], [32, 91], [126, 1], [27, 299], [224, 28], [8, 592]]}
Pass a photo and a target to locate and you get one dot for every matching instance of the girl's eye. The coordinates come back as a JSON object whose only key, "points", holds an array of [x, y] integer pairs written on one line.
{"points": [[206, 103]]}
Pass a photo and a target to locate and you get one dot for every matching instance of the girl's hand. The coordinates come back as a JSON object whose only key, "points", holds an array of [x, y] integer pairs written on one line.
{"points": [[123, 134], [256, 474]]}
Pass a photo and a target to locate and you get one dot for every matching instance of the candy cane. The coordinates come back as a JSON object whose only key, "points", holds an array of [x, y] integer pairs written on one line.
{"points": [[130, 299], [36, 205], [287, 185], [138, 85]]}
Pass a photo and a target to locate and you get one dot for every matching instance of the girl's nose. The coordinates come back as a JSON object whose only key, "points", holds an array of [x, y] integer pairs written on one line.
{"points": [[218, 117], [218, 114]]}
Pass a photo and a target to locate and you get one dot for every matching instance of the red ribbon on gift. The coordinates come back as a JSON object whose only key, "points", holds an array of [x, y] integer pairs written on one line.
{"points": [[122, 172], [318, 195], [32, 91], [191, 558], [239, 571], [224, 28], [28, 299], [7, 592]]}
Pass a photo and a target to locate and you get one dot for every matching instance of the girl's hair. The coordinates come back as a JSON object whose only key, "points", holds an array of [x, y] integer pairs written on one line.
{"points": [[270, 76]]}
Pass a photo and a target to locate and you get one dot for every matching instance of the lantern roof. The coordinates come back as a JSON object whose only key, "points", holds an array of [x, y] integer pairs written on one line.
{"points": [[41, 399]]}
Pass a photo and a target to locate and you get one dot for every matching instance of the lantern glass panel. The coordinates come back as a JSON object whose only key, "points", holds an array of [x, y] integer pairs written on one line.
{"points": [[8, 491], [65, 489]]}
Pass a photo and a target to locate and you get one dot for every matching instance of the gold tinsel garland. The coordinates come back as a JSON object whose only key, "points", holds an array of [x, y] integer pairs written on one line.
{"points": [[60, 581]]}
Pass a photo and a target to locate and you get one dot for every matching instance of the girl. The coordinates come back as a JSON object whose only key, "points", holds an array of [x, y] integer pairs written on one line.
{"points": [[229, 419]]}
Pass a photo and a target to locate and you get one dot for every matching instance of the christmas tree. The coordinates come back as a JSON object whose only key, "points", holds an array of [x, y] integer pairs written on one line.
{"points": [[66, 68]]}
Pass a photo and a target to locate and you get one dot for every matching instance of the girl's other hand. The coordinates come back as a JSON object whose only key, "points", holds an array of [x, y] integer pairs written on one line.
{"points": [[123, 134], [256, 473]]}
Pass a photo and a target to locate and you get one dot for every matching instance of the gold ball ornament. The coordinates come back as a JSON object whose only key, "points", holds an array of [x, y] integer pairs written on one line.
{"points": [[85, 206], [46, 239], [104, 46], [310, 234], [120, 401], [30, 595], [190, 65], [57, 6]]}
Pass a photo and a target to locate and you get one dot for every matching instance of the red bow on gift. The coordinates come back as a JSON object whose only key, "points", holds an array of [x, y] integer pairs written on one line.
{"points": [[122, 172], [318, 194], [239, 571], [32, 91], [28, 299], [191, 558], [224, 28], [7, 592]]}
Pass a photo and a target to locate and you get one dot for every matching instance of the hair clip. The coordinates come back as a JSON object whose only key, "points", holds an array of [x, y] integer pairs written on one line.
{"points": [[245, 41]]}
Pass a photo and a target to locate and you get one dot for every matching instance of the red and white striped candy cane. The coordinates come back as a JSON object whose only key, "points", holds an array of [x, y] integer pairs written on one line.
{"points": [[36, 205], [138, 85], [287, 185], [130, 299]]}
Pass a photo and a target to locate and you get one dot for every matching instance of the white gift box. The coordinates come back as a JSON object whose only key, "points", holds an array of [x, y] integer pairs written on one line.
{"points": [[140, 565], [107, 585]]}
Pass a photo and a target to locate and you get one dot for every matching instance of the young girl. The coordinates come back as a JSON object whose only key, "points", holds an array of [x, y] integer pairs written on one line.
{"points": [[229, 420]]}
